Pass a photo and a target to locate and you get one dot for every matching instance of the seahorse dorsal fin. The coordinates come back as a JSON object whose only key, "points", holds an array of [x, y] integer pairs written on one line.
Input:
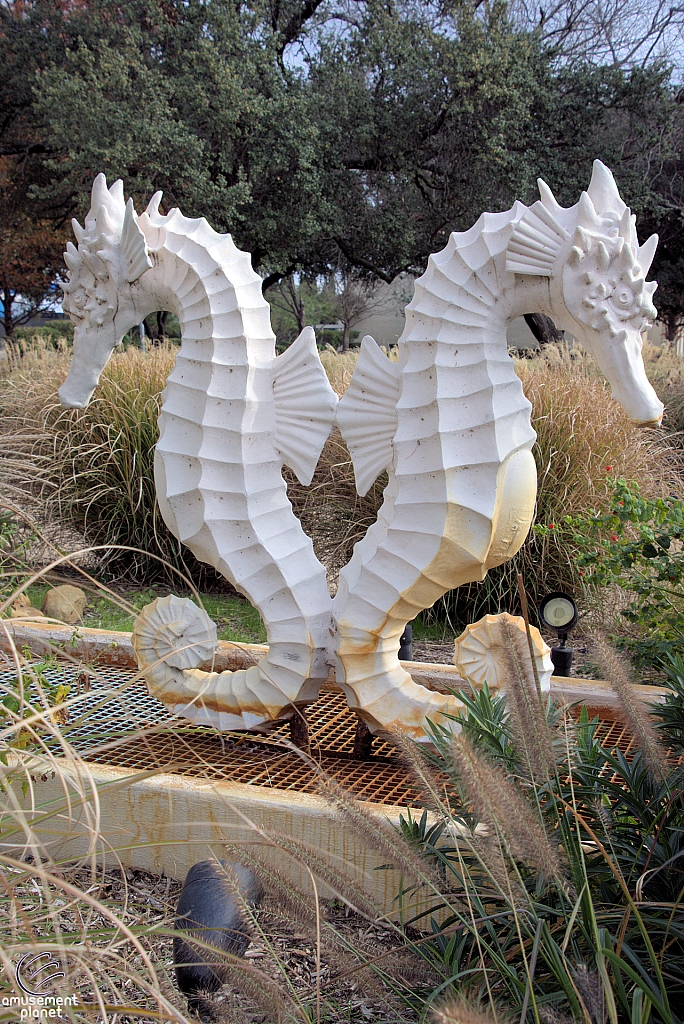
{"points": [[367, 414], [305, 405], [535, 242], [134, 246]]}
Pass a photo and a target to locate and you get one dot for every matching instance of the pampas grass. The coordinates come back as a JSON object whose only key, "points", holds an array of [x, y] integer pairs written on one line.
{"points": [[380, 836], [524, 702], [461, 1011], [616, 670]]}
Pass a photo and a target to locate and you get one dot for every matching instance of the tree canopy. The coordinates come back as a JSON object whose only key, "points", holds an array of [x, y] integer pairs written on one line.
{"points": [[323, 133]]}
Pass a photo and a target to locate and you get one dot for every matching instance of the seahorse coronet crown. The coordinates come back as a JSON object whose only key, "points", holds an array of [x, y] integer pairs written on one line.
{"points": [[599, 224], [111, 245]]}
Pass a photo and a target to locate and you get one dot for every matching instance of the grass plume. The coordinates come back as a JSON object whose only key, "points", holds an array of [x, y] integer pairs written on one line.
{"points": [[617, 672], [460, 1010], [499, 804], [528, 720], [380, 836]]}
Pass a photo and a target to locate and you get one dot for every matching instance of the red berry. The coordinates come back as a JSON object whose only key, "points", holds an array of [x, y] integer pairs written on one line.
{"points": [[613, 538], [608, 469]]}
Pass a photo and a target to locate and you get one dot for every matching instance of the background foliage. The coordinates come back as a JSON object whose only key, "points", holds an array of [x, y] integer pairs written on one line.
{"points": [[327, 134]]}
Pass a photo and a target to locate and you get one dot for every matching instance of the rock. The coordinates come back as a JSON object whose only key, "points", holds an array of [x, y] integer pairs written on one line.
{"points": [[65, 603], [209, 909], [23, 609]]}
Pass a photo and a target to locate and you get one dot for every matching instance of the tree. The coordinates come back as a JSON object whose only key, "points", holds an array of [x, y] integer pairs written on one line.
{"points": [[621, 33], [30, 254], [352, 298], [328, 132]]}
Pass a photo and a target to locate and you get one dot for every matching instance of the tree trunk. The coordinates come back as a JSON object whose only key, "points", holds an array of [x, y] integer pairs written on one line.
{"points": [[345, 338], [297, 305], [544, 329], [677, 335], [7, 320]]}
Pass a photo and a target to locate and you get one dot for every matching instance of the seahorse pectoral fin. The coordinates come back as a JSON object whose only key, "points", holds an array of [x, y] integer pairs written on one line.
{"points": [[134, 246], [305, 405], [516, 494], [367, 414]]}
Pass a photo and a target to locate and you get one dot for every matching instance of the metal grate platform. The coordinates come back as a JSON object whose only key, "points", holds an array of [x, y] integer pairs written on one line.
{"points": [[118, 723]]}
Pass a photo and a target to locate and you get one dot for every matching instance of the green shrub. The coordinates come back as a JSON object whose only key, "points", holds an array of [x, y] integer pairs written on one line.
{"points": [[56, 333], [14, 543], [636, 545]]}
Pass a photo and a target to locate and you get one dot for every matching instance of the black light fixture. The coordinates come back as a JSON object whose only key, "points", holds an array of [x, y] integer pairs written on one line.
{"points": [[559, 612]]}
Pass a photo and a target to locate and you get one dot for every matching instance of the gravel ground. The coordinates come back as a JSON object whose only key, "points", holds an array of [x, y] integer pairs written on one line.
{"points": [[282, 953]]}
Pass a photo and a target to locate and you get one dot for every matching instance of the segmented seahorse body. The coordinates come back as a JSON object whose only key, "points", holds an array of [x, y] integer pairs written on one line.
{"points": [[219, 476], [232, 413], [458, 444], [462, 479]]}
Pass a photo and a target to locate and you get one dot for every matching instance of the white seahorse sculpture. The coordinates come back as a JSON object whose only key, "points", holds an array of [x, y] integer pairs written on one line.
{"points": [[232, 414], [451, 424]]}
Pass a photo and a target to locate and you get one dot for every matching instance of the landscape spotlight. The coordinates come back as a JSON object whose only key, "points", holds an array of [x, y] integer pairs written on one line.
{"points": [[559, 612]]}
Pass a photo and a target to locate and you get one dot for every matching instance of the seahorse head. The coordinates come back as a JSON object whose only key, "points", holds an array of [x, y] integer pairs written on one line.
{"points": [[112, 254], [598, 289]]}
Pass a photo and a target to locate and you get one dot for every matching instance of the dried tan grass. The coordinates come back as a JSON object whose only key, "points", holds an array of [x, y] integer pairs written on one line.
{"points": [[93, 468], [500, 805]]}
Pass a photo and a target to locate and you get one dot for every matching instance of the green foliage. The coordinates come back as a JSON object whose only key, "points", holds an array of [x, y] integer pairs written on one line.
{"points": [[54, 333], [13, 552], [26, 698], [318, 147], [598, 937], [637, 545], [671, 711]]}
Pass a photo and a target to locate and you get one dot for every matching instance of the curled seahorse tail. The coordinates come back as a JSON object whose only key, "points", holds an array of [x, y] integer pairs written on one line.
{"points": [[172, 637]]}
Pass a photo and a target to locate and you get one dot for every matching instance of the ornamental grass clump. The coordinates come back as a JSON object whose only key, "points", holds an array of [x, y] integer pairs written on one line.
{"points": [[563, 895], [93, 468]]}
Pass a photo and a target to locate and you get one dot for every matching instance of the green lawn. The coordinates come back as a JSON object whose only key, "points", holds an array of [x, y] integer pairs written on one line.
{"points": [[234, 616]]}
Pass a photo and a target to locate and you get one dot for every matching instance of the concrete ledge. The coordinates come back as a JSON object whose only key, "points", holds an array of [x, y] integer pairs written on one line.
{"points": [[165, 823]]}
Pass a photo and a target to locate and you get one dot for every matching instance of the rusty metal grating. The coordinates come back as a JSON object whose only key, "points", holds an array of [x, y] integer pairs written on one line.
{"points": [[118, 723]]}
